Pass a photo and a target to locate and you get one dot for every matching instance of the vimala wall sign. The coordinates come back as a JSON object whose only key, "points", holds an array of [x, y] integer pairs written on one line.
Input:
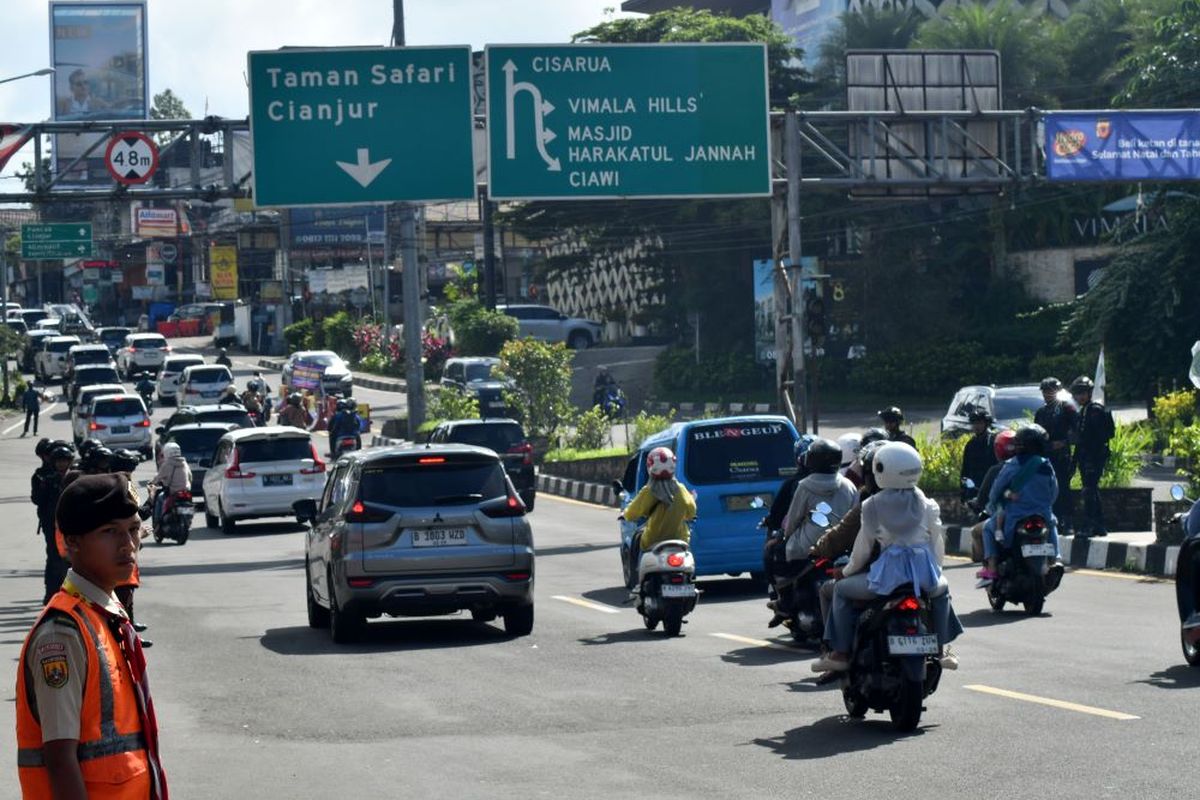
{"points": [[601, 121]]}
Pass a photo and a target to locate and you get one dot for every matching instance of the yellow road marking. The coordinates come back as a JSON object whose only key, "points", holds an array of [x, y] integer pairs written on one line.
{"points": [[1121, 576], [756, 642], [577, 601], [556, 498], [1046, 701]]}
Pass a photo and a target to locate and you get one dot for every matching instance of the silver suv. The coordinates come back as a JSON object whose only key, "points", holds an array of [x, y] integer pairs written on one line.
{"points": [[415, 531]]}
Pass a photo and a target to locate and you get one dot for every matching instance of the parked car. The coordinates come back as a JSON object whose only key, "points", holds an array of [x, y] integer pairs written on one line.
{"points": [[112, 337], [410, 531], [51, 360], [506, 438], [193, 311], [172, 371], [1009, 406], [89, 375], [336, 378], [121, 421], [474, 376], [261, 472], [551, 325], [205, 384], [142, 352], [82, 411], [198, 442], [33, 345]]}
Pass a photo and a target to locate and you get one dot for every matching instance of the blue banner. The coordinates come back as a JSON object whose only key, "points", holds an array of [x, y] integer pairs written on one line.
{"points": [[332, 227], [1123, 145]]}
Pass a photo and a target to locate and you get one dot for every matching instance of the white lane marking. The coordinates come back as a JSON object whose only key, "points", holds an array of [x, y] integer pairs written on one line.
{"points": [[578, 601], [756, 642], [16, 425], [1046, 701]]}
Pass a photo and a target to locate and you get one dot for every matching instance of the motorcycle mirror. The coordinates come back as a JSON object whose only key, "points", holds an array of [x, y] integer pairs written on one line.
{"points": [[1177, 493], [820, 518], [824, 507], [757, 503], [967, 482]]}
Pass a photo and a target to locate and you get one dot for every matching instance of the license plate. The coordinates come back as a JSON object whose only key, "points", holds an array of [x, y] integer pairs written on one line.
{"points": [[1029, 550], [678, 590], [912, 645], [187, 511], [746, 502], [439, 537], [277, 480], [120, 429], [210, 394]]}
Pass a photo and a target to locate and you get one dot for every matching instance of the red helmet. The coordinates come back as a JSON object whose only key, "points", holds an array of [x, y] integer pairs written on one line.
{"points": [[660, 463], [1005, 445]]}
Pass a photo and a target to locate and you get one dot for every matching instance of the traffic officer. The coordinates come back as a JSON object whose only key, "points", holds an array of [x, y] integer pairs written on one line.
{"points": [[86, 726], [1058, 418], [893, 418], [46, 492], [1094, 427]]}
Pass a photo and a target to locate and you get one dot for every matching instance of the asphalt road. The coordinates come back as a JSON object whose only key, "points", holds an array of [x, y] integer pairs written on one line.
{"points": [[253, 703]]}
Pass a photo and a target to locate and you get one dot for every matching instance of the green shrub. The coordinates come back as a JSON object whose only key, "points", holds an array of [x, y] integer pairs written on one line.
{"points": [[337, 332], [478, 331], [573, 454], [941, 367], [718, 376], [1125, 456], [592, 430], [299, 335], [1064, 367], [1172, 411], [541, 374], [451, 404], [942, 459], [375, 362], [646, 425], [1185, 444]]}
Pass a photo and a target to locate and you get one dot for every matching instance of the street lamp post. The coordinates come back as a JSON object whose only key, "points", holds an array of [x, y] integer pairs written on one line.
{"points": [[42, 71]]}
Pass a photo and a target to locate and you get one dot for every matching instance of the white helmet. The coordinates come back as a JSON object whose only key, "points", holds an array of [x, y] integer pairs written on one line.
{"points": [[660, 463], [897, 466], [171, 450], [850, 443]]}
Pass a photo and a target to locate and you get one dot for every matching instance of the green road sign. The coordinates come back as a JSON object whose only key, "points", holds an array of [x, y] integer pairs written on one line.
{"points": [[56, 240], [627, 120], [361, 125]]}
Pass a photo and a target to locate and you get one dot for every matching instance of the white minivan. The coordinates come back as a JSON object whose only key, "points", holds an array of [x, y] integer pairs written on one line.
{"points": [[172, 371], [261, 472], [121, 421], [204, 385]]}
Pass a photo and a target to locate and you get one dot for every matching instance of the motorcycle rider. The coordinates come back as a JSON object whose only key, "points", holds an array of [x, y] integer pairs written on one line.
{"points": [[665, 504], [823, 484], [850, 443], [1094, 427], [774, 558], [223, 359], [1025, 486], [893, 418], [144, 386], [1059, 420], [174, 475], [907, 528], [602, 386], [979, 453], [1003, 448], [855, 472], [293, 413], [346, 422]]}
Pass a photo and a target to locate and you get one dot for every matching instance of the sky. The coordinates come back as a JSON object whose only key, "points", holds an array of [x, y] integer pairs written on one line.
{"points": [[198, 47]]}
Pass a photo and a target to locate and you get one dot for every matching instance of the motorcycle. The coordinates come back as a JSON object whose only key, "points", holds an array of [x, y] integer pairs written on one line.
{"points": [[895, 662], [805, 622], [666, 590], [344, 444], [145, 390], [176, 522], [1027, 572], [1187, 586], [612, 403]]}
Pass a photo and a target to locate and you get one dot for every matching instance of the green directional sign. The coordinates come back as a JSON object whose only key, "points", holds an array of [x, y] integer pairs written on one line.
{"points": [[597, 121], [348, 126], [56, 240]]}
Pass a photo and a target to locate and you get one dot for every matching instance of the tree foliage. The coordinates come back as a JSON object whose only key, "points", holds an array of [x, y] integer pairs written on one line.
{"points": [[541, 374], [1163, 64]]}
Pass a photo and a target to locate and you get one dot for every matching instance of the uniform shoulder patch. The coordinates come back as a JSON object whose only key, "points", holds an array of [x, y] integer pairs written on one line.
{"points": [[55, 671]]}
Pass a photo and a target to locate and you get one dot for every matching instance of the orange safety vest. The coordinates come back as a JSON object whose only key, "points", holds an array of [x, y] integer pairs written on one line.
{"points": [[112, 747]]}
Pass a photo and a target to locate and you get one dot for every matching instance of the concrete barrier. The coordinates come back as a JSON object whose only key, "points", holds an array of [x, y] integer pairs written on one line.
{"points": [[1091, 553]]}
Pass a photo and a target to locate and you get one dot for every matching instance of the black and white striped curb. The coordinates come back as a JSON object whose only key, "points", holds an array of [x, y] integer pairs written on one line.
{"points": [[387, 441], [1091, 553], [583, 491], [365, 381], [685, 410]]}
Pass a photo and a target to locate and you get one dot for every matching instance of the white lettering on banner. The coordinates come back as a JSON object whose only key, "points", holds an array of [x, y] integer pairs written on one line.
{"points": [[380, 74], [571, 64], [601, 105], [336, 113], [672, 105], [599, 133], [640, 153], [735, 432], [586, 179], [723, 152]]}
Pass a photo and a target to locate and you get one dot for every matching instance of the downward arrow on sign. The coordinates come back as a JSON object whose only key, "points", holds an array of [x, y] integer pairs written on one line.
{"points": [[364, 171]]}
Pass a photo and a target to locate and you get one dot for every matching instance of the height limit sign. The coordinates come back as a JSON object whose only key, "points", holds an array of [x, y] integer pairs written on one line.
{"points": [[131, 157]]}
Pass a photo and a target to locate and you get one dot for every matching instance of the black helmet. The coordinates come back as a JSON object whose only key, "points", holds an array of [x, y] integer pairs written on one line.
{"points": [[1031, 439], [124, 461], [891, 414], [99, 458], [294, 399], [873, 435], [59, 453], [1050, 385], [823, 456], [222, 351], [43, 447], [980, 415], [1082, 385], [87, 446], [867, 454]]}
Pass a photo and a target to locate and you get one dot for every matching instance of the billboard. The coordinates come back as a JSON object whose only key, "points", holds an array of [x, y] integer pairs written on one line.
{"points": [[807, 22], [335, 233], [764, 311], [98, 51], [224, 267], [1122, 145]]}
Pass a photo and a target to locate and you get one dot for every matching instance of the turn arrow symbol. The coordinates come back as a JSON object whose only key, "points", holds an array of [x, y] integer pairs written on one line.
{"points": [[364, 171]]}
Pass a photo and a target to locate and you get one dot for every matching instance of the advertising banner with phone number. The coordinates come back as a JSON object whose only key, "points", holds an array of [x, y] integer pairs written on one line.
{"points": [[1123, 145]]}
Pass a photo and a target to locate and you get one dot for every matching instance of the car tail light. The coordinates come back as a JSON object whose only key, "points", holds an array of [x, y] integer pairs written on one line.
{"points": [[516, 576], [510, 506], [96, 426], [360, 583], [526, 449], [234, 470], [318, 465], [675, 560], [145, 423], [361, 512], [908, 604], [431, 460]]}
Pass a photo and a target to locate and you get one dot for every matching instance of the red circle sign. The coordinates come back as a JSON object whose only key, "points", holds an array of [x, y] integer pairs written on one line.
{"points": [[131, 157]]}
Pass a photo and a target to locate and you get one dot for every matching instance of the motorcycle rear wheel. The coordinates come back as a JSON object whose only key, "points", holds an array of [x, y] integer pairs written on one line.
{"points": [[1191, 652], [1037, 599], [906, 712], [650, 622], [673, 619], [996, 600], [856, 705]]}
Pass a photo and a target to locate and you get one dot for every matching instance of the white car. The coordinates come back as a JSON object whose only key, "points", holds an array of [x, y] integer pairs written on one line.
{"points": [[51, 360], [82, 411], [335, 375], [551, 325], [172, 371], [121, 421], [143, 352], [261, 472], [204, 384]]}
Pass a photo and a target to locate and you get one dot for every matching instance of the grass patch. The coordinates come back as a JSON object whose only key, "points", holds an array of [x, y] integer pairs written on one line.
{"points": [[571, 454]]}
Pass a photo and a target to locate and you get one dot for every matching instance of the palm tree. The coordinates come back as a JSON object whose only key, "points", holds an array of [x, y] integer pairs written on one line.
{"points": [[870, 29]]}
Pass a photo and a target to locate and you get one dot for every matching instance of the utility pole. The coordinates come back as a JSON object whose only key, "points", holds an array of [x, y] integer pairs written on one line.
{"points": [[791, 143], [414, 371], [489, 249]]}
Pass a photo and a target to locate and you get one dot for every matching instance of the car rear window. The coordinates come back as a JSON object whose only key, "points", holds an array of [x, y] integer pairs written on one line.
{"points": [[60, 347], [118, 408], [91, 357], [1010, 407], [448, 484], [114, 335], [494, 437], [149, 344], [86, 376], [180, 364], [286, 448], [741, 451], [201, 443], [211, 375], [479, 372], [239, 418]]}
